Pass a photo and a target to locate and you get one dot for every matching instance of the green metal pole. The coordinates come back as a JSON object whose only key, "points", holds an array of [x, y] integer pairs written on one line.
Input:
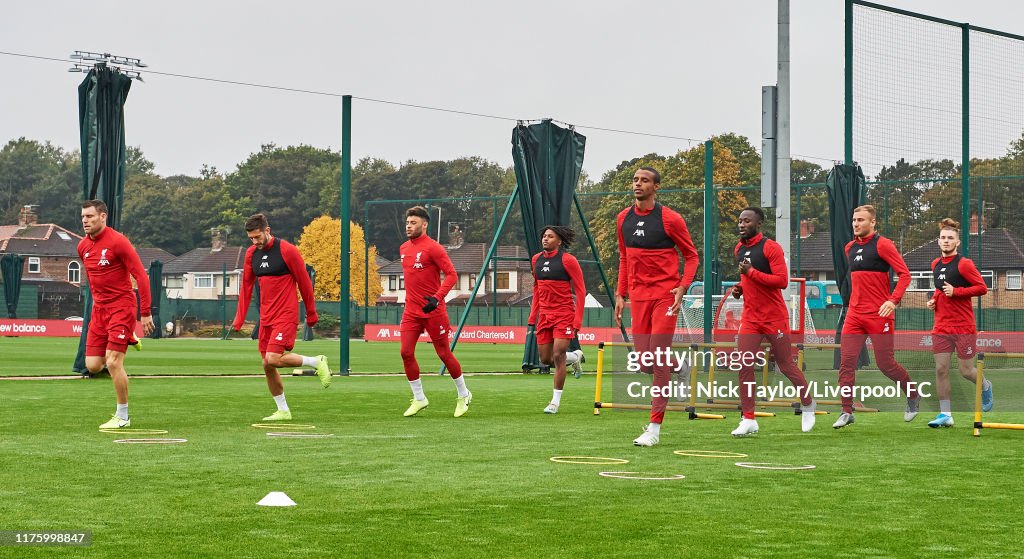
{"points": [[224, 302], [600, 269], [346, 235], [885, 209], [848, 88], [483, 267], [965, 123], [494, 277], [799, 229], [978, 318], [709, 251], [366, 264]]}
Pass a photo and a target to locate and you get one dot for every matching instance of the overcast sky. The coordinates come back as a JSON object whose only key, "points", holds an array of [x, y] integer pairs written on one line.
{"points": [[679, 68]]}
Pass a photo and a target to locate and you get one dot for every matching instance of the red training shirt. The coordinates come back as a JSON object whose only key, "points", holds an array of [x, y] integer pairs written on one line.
{"points": [[557, 277], [956, 313], [109, 259], [763, 282], [870, 260], [279, 268], [423, 262], [648, 261]]}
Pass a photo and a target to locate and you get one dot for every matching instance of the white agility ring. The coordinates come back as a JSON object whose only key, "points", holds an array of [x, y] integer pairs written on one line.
{"points": [[774, 466], [596, 460], [150, 441], [301, 435], [622, 475], [709, 453], [296, 426], [134, 431]]}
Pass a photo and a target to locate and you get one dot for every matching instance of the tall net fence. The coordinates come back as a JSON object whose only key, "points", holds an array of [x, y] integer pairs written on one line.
{"points": [[937, 123]]}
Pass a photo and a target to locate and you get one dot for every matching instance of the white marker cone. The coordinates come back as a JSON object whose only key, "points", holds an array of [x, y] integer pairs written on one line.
{"points": [[276, 499]]}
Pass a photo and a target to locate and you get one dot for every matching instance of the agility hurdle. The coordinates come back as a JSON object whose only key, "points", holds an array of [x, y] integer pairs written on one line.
{"points": [[978, 423]]}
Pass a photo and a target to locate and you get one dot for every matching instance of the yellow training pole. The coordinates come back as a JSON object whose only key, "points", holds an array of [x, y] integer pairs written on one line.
{"points": [[978, 382], [693, 378], [600, 374]]}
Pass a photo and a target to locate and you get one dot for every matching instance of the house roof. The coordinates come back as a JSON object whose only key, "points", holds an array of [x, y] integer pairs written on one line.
{"points": [[381, 261], [469, 257], [815, 253], [1000, 250], [47, 239], [148, 255], [205, 260]]}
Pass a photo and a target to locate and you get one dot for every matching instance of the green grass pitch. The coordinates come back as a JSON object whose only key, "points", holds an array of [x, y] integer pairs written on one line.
{"points": [[478, 486]]}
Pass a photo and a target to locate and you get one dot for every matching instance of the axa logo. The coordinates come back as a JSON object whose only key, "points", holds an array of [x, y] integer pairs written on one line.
{"points": [[546, 269], [418, 264], [279, 337], [264, 265], [858, 258], [103, 258], [639, 232], [384, 333], [942, 276]]}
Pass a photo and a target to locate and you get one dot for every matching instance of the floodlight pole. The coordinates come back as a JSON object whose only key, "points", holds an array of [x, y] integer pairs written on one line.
{"points": [[87, 60], [783, 219]]}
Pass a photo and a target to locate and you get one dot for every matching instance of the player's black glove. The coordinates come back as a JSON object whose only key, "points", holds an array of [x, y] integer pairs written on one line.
{"points": [[431, 304]]}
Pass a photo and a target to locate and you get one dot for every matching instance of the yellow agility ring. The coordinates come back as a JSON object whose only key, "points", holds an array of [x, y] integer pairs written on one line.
{"points": [[135, 431], [774, 466], [286, 426], [635, 475], [151, 441], [596, 460], [709, 454]]}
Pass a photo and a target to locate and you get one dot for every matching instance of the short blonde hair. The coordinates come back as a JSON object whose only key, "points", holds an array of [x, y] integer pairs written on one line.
{"points": [[866, 208]]}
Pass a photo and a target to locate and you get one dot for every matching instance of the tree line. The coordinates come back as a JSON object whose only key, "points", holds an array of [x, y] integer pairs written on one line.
{"points": [[294, 185]]}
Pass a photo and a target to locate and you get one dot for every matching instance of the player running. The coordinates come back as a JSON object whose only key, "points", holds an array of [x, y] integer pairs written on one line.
{"points": [[871, 258], [957, 281], [649, 235], [110, 263], [279, 268], [763, 276], [557, 276], [423, 262]]}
